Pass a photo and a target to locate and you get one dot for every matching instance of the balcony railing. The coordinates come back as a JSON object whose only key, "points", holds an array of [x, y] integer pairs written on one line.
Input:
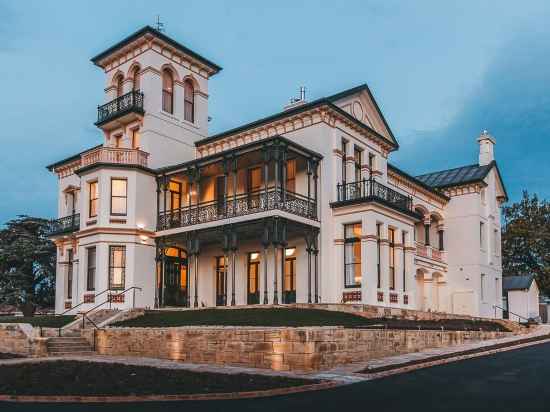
{"points": [[114, 155], [430, 252], [127, 103], [241, 205], [372, 190], [66, 224]]}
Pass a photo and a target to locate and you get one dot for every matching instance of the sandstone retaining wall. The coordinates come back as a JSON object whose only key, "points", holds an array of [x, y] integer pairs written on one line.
{"points": [[21, 339], [300, 349]]}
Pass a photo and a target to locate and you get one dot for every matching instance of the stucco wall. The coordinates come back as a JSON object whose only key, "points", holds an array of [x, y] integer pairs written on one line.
{"points": [[308, 348]]}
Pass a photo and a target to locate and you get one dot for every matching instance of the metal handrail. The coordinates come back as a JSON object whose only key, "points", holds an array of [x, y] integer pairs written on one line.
{"points": [[117, 294], [82, 303], [509, 311]]}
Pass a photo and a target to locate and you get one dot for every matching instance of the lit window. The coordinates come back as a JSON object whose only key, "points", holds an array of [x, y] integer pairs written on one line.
{"points": [[167, 91], [135, 139], [291, 175], [117, 267], [118, 84], [118, 196], [94, 198], [357, 160], [91, 262], [352, 255], [253, 296], [482, 235], [391, 238], [189, 101], [289, 286], [175, 195]]}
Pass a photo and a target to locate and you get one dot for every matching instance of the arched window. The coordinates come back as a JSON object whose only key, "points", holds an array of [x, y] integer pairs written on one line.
{"points": [[118, 83], [135, 77], [189, 101], [167, 91]]}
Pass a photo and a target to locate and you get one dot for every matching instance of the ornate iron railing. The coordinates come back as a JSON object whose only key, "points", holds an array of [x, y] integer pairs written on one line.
{"points": [[371, 189], [66, 224], [240, 205], [129, 102]]}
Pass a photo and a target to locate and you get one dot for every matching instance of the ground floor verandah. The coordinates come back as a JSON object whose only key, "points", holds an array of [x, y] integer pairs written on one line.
{"points": [[265, 261]]}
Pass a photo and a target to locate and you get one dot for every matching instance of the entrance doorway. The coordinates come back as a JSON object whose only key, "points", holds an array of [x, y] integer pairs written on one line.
{"points": [[176, 278], [253, 295], [221, 281], [289, 287]]}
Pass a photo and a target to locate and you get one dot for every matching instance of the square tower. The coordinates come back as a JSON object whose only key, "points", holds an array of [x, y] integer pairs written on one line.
{"points": [[156, 96]]}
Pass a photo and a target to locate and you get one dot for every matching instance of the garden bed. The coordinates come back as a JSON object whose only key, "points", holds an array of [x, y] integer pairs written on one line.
{"points": [[45, 321], [96, 378], [4, 355], [291, 317]]}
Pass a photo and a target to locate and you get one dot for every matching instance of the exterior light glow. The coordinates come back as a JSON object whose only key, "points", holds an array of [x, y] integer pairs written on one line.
{"points": [[140, 226], [290, 251], [254, 256], [143, 237]]}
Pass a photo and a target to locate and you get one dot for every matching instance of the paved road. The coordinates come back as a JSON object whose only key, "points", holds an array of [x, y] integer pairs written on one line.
{"points": [[511, 381]]}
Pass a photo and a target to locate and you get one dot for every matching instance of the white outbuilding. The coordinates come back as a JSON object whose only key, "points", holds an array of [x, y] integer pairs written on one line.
{"points": [[521, 297]]}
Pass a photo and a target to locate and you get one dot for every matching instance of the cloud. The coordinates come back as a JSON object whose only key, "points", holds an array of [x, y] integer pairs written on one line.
{"points": [[513, 103]]}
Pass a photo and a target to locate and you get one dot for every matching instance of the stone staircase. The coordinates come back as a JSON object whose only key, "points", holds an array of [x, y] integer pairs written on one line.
{"points": [[73, 344]]}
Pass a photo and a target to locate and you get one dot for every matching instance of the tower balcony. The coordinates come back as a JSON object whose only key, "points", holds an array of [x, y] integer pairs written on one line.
{"points": [[63, 225], [122, 110], [112, 155]]}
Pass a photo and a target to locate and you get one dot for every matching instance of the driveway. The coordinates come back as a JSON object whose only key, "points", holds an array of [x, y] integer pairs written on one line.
{"points": [[517, 380]]}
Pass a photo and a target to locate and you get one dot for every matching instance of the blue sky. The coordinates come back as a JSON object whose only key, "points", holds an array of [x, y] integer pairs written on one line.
{"points": [[441, 72]]}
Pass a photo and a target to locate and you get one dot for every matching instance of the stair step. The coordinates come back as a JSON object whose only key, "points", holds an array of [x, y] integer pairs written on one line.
{"points": [[80, 353], [56, 341], [68, 347]]}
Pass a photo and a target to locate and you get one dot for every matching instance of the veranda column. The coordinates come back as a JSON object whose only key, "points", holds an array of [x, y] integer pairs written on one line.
{"points": [[309, 241], [283, 174], [309, 172], [233, 258], [410, 271], [384, 263], [165, 193], [283, 247], [265, 244], [265, 152], [225, 192], [316, 264], [369, 259], [198, 190], [315, 189], [275, 242], [159, 226], [234, 175], [157, 271]]}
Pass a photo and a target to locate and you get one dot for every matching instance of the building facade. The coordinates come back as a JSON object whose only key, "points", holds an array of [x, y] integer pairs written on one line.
{"points": [[300, 206]]}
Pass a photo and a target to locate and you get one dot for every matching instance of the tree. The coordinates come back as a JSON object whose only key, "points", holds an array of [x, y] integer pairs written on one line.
{"points": [[27, 264], [526, 239]]}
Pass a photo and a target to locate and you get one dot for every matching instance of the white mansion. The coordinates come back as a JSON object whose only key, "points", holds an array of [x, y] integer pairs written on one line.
{"points": [[301, 206]]}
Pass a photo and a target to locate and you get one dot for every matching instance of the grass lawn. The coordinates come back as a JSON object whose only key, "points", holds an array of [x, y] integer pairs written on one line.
{"points": [[96, 378], [292, 317], [46, 321]]}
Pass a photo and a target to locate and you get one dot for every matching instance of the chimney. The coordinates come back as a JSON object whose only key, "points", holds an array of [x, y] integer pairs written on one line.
{"points": [[486, 148], [297, 101]]}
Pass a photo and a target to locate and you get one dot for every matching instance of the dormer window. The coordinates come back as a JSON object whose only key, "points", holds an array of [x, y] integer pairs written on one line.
{"points": [[189, 101], [135, 78], [118, 83], [167, 91]]}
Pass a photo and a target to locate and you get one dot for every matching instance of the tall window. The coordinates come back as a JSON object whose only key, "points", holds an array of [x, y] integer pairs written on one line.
{"points": [[482, 287], [357, 160], [175, 195], [136, 78], [220, 281], [135, 138], [93, 190], [69, 274], [344, 150], [91, 264], [495, 242], [118, 84], [118, 196], [167, 91], [189, 101], [482, 235], [371, 163], [403, 242], [117, 267], [352, 255], [253, 278], [289, 286], [378, 234], [291, 175], [391, 236]]}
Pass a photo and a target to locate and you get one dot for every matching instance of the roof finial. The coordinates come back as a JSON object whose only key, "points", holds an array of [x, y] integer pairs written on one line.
{"points": [[159, 25]]}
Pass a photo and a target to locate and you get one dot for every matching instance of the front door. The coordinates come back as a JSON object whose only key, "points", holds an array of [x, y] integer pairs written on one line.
{"points": [[253, 295], [289, 287], [176, 279], [221, 282]]}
